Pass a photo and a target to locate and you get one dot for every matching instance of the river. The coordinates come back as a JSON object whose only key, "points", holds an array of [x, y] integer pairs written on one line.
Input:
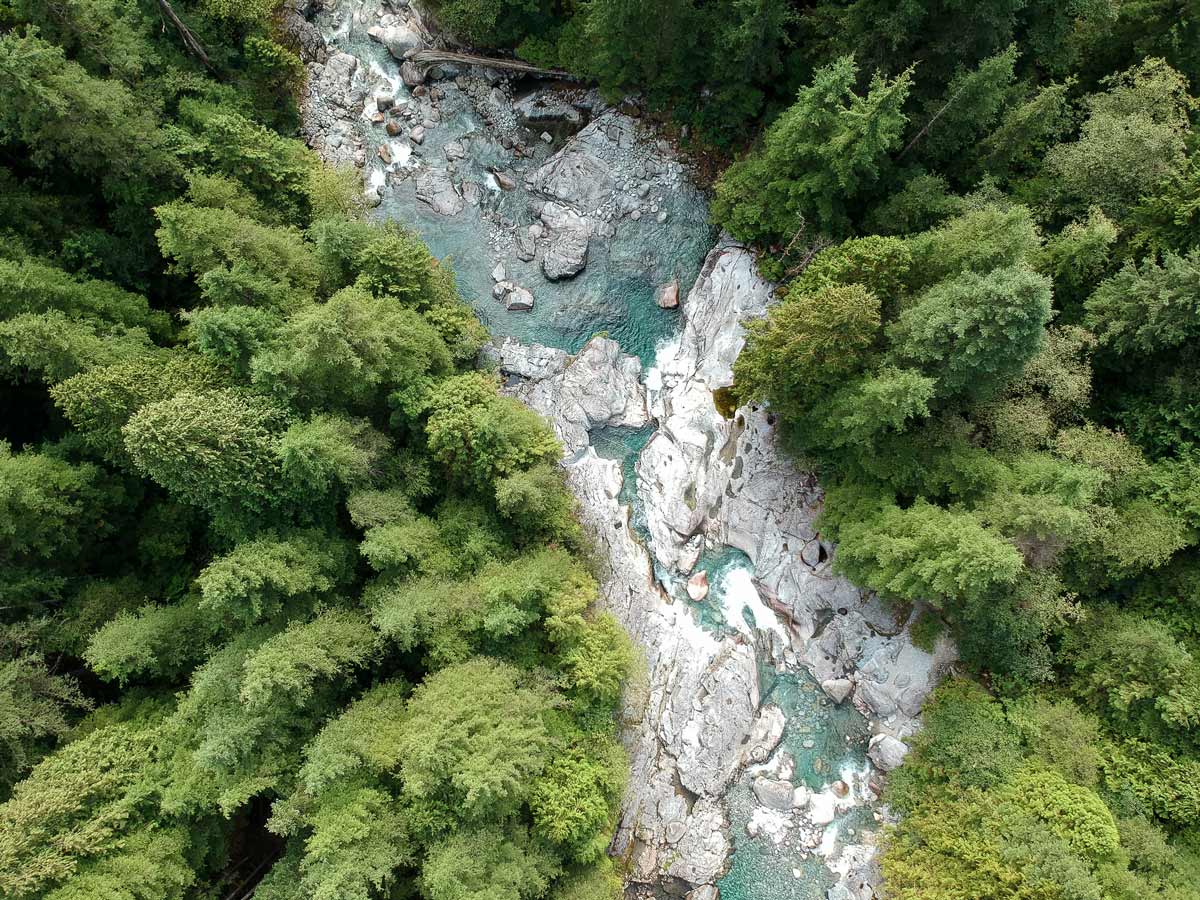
{"points": [[748, 776]]}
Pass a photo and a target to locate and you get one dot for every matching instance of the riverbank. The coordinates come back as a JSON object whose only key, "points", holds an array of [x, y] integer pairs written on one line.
{"points": [[772, 706]]}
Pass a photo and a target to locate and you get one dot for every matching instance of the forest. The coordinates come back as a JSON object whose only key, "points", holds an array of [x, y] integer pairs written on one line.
{"points": [[295, 603]]}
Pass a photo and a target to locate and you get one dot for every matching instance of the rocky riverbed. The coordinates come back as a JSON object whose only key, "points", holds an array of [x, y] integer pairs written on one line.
{"points": [[775, 694]]}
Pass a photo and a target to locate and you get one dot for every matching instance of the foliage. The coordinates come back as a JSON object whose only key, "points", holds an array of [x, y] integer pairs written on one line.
{"points": [[314, 577], [252, 494], [817, 159]]}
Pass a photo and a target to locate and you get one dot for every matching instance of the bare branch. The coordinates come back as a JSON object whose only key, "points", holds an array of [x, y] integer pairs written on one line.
{"points": [[190, 42]]}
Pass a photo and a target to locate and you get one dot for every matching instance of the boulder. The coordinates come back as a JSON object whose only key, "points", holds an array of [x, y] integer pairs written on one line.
{"points": [[411, 73], [800, 797], [773, 793], [385, 153], [519, 299], [703, 892], [765, 735], [837, 689], [437, 191], [668, 295], [393, 128], [697, 586], [821, 809], [567, 235], [399, 39], [840, 788], [384, 102], [417, 135], [498, 273], [504, 180], [886, 752]]}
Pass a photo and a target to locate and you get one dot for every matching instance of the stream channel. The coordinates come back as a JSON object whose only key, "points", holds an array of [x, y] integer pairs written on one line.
{"points": [[491, 171]]}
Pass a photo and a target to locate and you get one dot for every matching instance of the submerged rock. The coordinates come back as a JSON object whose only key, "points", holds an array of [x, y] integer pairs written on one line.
{"points": [[668, 295]]}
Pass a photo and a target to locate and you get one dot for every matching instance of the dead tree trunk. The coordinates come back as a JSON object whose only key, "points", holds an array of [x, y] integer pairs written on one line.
{"points": [[190, 42]]}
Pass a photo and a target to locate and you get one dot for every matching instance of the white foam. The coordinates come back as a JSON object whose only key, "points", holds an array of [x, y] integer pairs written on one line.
{"points": [[740, 594], [769, 823], [402, 153], [828, 840]]}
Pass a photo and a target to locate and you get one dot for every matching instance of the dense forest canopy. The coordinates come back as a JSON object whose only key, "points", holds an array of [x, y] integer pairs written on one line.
{"points": [[292, 596]]}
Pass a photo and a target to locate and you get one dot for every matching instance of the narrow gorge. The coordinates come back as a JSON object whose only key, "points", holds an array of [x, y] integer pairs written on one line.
{"points": [[774, 695]]}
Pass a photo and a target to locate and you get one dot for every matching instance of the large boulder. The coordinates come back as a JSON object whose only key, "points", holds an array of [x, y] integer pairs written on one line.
{"points": [[399, 39], [575, 176], [519, 299], [437, 191], [773, 793], [566, 237]]}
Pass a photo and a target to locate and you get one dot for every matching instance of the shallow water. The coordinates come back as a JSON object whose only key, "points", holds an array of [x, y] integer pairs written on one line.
{"points": [[614, 294]]}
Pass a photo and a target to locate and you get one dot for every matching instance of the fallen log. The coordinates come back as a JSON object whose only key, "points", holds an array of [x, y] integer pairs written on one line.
{"points": [[429, 58]]}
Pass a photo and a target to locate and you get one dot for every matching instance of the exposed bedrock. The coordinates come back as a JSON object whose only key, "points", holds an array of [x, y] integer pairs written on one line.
{"points": [[694, 720]]}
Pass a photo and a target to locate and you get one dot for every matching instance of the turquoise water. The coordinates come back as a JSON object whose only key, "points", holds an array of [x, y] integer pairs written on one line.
{"points": [[625, 445], [710, 612], [615, 291], [824, 739], [614, 294]]}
